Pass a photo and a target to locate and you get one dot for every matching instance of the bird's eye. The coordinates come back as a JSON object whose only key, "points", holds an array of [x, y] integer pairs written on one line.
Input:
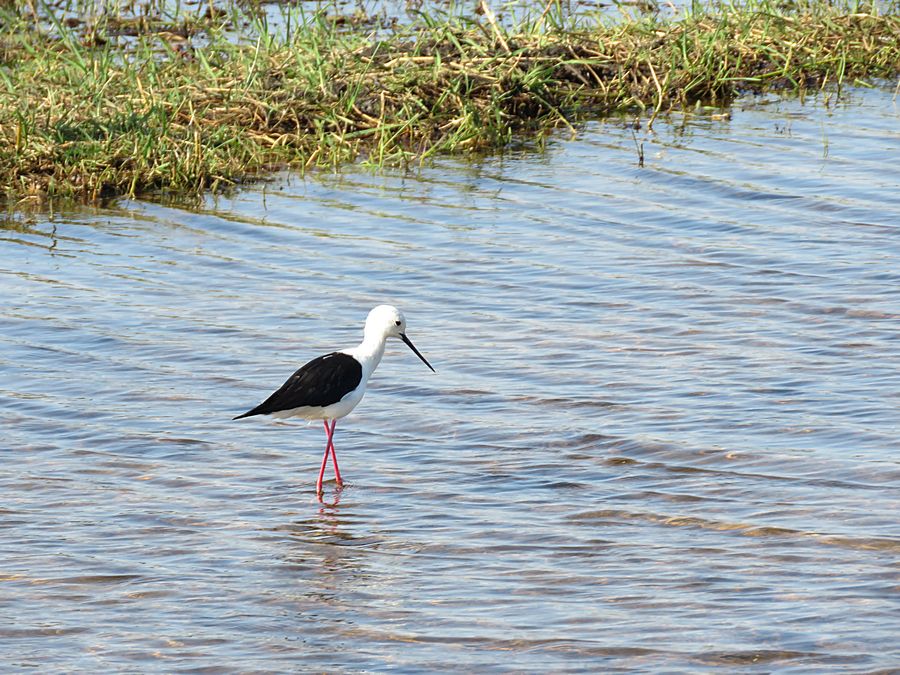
{"points": [[397, 322]]}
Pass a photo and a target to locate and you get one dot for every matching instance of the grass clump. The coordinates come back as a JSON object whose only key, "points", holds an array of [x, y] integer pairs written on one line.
{"points": [[184, 104]]}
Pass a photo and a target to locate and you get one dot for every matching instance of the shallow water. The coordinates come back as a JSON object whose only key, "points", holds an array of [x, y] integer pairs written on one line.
{"points": [[663, 432]]}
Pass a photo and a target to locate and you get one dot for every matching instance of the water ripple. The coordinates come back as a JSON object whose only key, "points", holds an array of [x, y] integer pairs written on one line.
{"points": [[662, 436]]}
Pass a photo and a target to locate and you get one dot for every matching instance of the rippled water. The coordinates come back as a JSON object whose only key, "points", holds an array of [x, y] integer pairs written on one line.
{"points": [[663, 432]]}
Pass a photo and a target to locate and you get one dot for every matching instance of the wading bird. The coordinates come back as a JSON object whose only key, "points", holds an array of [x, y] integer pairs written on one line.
{"points": [[330, 386]]}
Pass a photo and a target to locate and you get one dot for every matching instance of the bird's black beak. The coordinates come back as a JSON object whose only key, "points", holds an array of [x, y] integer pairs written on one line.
{"points": [[415, 351]]}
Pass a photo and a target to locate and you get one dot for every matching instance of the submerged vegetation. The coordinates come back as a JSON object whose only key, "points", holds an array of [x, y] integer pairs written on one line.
{"points": [[105, 104]]}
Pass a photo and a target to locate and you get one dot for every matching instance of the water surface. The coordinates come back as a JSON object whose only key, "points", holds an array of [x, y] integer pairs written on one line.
{"points": [[663, 434]]}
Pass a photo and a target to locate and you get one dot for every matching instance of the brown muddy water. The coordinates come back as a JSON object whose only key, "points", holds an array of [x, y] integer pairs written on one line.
{"points": [[662, 436]]}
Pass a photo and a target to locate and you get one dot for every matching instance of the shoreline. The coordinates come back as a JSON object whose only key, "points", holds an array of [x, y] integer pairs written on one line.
{"points": [[90, 112]]}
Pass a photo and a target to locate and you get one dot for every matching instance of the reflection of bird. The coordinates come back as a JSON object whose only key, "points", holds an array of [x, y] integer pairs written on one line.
{"points": [[330, 386]]}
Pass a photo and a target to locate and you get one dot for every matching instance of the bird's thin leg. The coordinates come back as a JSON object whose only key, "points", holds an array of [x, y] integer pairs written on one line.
{"points": [[330, 432], [324, 461]]}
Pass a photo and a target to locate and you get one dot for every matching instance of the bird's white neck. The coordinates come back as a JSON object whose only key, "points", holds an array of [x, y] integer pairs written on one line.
{"points": [[369, 353]]}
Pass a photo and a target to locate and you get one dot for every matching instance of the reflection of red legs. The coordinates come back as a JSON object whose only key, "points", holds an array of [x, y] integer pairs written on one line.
{"points": [[329, 447]]}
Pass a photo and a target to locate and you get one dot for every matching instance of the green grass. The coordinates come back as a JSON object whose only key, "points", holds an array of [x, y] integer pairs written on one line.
{"points": [[192, 102]]}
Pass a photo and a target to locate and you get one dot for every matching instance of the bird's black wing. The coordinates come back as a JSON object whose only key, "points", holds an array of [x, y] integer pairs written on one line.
{"points": [[321, 382]]}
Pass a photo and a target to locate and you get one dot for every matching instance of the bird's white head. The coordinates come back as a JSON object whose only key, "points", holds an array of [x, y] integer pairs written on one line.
{"points": [[387, 321]]}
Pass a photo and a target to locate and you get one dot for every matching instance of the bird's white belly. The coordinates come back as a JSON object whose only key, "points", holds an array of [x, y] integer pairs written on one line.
{"points": [[328, 412]]}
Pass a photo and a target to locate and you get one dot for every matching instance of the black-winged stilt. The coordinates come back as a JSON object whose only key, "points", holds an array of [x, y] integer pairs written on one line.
{"points": [[330, 386]]}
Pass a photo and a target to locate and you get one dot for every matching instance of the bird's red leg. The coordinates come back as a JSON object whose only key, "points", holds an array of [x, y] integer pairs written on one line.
{"points": [[324, 461], [330, 432]]}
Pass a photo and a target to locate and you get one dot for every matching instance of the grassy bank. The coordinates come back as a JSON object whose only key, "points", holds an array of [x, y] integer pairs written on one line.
{"points": [[198, 101]]}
